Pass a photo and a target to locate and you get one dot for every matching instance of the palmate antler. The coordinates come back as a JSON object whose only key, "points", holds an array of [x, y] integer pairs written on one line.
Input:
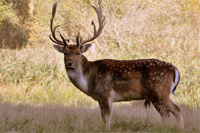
{"points": [[96, 32], [53, 30]]}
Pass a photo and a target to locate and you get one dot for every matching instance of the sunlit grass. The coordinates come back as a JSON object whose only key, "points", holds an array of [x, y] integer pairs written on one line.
{"points": [[36, 74]]}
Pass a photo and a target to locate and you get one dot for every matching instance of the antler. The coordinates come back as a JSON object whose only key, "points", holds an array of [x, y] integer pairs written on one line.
{"points": [[96, 32], [53, 30]]}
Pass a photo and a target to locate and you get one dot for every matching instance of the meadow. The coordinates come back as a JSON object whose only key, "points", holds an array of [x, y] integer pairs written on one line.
{"points": [[37, 96], [58, 118]]}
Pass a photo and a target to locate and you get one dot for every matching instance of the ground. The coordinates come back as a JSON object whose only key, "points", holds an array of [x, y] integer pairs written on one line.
{"points": [[129, 117]]}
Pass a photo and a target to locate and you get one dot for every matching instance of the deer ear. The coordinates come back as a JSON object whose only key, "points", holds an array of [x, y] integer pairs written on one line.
{"points": [[84, 48], [59, 48]]}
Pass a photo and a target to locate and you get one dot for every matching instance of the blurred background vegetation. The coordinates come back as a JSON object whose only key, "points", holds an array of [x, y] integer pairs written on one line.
{"points": [[31, 71]]}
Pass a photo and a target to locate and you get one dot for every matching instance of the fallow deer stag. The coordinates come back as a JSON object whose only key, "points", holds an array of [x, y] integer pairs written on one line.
{"points": [[108, 81]]}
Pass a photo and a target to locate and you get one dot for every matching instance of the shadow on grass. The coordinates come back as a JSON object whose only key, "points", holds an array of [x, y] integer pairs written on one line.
{"points": [[59, 118]]}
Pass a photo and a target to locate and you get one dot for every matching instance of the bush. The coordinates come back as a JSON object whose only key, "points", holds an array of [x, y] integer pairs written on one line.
{"points": [[13, 34]]}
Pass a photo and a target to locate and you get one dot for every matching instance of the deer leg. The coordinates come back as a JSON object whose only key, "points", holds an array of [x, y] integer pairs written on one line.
{"points": [[163, 110], [165, 107], [176, 111], [106, 112]]}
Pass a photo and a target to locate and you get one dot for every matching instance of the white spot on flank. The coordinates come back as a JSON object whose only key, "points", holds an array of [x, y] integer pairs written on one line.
{"points": [[163, 82]]}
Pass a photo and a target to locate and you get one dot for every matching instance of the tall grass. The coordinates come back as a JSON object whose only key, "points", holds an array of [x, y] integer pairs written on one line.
{"points": [[167, 30]]}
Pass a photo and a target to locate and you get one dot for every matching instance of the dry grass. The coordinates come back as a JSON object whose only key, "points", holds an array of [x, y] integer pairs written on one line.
{"points": [[35, 74], [167, 30], [58, 118]]}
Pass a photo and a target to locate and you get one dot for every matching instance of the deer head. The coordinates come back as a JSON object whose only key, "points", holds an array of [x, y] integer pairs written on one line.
{"points": [[73, 53]]}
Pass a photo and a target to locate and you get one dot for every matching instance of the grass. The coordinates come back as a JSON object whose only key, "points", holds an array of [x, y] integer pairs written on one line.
{"points": [[32, 74], [33, 78], [58, 118]]}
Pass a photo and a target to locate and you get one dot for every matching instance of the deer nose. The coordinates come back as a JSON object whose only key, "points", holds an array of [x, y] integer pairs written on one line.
{"points": [[70, 62]]}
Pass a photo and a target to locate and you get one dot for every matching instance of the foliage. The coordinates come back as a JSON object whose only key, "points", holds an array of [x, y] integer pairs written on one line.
{"points": [[7, 13], [13, 34], [22, 9], [167, 30]]}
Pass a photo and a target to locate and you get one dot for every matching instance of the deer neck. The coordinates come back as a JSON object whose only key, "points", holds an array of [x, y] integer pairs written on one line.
{"points": [[78, 76]]}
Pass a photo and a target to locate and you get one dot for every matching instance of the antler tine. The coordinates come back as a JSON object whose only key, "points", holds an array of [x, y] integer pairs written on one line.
{"points": [[101, 24], [53, 30], [64, 42]]}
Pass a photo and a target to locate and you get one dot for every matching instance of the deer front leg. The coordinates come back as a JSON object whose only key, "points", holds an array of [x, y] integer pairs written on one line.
{"points": [[106, 111]]}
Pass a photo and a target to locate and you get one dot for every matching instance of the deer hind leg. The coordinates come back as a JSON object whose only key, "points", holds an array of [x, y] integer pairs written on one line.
{"points": [[106, 112], [176, 111], [163, 110]]}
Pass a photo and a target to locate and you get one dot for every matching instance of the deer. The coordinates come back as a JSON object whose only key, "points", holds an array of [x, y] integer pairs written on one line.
{"points": [[108, 80]]}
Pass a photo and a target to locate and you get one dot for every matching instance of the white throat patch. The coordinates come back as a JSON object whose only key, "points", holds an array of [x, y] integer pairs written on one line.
{"points": [[77, 78]]}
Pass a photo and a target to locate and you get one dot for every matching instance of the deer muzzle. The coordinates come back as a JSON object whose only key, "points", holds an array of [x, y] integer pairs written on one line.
{"points": [[69, 62]]}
